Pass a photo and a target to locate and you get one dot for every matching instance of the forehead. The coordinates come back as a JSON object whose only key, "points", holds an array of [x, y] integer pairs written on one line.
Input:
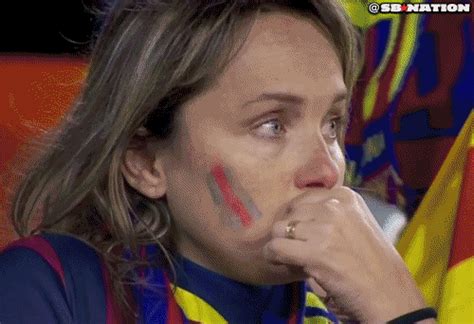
{"points": [[283, 52]]}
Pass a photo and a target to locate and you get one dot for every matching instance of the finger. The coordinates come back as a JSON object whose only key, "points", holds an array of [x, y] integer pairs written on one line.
{"points": [[315, 197], [343, 194], [302, 231], [290, 252], [316, 288], [301, 213], [309, 220], [281, 229], [338, 311]]}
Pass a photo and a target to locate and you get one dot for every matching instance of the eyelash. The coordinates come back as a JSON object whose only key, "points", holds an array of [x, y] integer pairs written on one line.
{"points": [[337, 120], [278, 121]]}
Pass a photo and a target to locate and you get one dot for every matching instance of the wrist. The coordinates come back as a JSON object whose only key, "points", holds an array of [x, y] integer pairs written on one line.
{"points": [[392, 303], [387, 309], [424, 315]]}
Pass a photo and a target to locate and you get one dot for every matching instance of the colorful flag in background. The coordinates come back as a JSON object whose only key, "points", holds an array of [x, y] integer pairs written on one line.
{"points": [[414, 94], [411, 140], [438, 244]]}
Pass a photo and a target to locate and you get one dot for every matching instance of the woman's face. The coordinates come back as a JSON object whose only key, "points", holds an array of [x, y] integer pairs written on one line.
{"points": [[263, 135]]}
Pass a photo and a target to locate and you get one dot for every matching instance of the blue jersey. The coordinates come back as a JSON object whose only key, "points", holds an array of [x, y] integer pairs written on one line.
{"points": [[59, 279]]}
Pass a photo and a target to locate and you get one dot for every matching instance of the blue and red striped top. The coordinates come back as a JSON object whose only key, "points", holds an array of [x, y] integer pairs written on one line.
{"points": [[56, 278]]}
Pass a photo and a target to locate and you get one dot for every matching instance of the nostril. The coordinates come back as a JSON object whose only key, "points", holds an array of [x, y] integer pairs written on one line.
{"points": [[315, 184], [318, 181]]}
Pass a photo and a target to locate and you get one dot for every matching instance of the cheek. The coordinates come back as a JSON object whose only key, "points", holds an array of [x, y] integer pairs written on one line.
{"points": [[235, 206]]}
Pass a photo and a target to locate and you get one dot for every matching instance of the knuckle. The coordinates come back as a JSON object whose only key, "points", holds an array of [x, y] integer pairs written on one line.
{"points": [[346, 190], [349, 194], [332, 204]]}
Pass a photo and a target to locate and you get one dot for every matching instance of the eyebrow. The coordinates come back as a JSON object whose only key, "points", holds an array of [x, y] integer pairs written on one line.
{"points": [[290, 98]]}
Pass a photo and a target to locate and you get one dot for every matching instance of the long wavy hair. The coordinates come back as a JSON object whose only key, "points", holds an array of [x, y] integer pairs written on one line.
{"points": [[149, 58]]}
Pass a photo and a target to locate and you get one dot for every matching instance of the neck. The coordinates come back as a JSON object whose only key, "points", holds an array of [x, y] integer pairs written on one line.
{"points": [[241, 302]]}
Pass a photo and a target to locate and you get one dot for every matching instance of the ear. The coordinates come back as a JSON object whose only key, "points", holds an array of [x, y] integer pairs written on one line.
{"points": [[142, 166]]}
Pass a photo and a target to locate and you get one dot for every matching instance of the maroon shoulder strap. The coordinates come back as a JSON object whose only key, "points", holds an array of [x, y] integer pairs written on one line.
{"points": [[44, 248], [41, 246]]}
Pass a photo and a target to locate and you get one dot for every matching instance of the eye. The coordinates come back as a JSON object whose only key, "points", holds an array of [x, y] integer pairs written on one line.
{"points": [[273, 128], [332, 127]]}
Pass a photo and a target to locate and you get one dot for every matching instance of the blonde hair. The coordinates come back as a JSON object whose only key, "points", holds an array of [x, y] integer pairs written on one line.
{"points": [[150, 58]]}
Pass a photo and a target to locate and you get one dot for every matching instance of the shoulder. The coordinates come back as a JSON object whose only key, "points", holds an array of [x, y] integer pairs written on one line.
{"points": [[42, 245], [46, 274], [55, 251]]}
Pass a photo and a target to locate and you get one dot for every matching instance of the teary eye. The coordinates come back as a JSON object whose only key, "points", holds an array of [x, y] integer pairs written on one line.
{"points": [[332, 127], [273, 128]]}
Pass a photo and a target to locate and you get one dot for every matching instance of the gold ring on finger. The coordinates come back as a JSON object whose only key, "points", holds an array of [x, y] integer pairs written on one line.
{"points": [[290, 229]]}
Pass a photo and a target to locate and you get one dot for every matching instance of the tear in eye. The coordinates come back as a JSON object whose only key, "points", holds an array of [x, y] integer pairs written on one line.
{"points": [[332, 127], [271, 129]]}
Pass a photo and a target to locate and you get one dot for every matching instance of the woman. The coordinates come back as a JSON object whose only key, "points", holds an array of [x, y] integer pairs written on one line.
{"points": [[204, 154]]}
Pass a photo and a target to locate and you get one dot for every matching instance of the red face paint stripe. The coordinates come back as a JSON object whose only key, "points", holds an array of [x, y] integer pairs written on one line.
{"points": [[230, 197]]}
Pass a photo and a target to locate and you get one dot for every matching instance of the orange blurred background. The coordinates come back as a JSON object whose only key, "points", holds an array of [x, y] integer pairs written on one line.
{"points": [[35, 91]]}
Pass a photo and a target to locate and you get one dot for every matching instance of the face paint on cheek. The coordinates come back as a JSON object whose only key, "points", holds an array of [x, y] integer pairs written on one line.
{"points": [[242, 194], [226, 192], [224, 211]]}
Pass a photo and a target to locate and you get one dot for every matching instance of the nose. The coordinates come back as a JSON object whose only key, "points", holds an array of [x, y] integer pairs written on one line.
{"points": [[320, 171]]}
